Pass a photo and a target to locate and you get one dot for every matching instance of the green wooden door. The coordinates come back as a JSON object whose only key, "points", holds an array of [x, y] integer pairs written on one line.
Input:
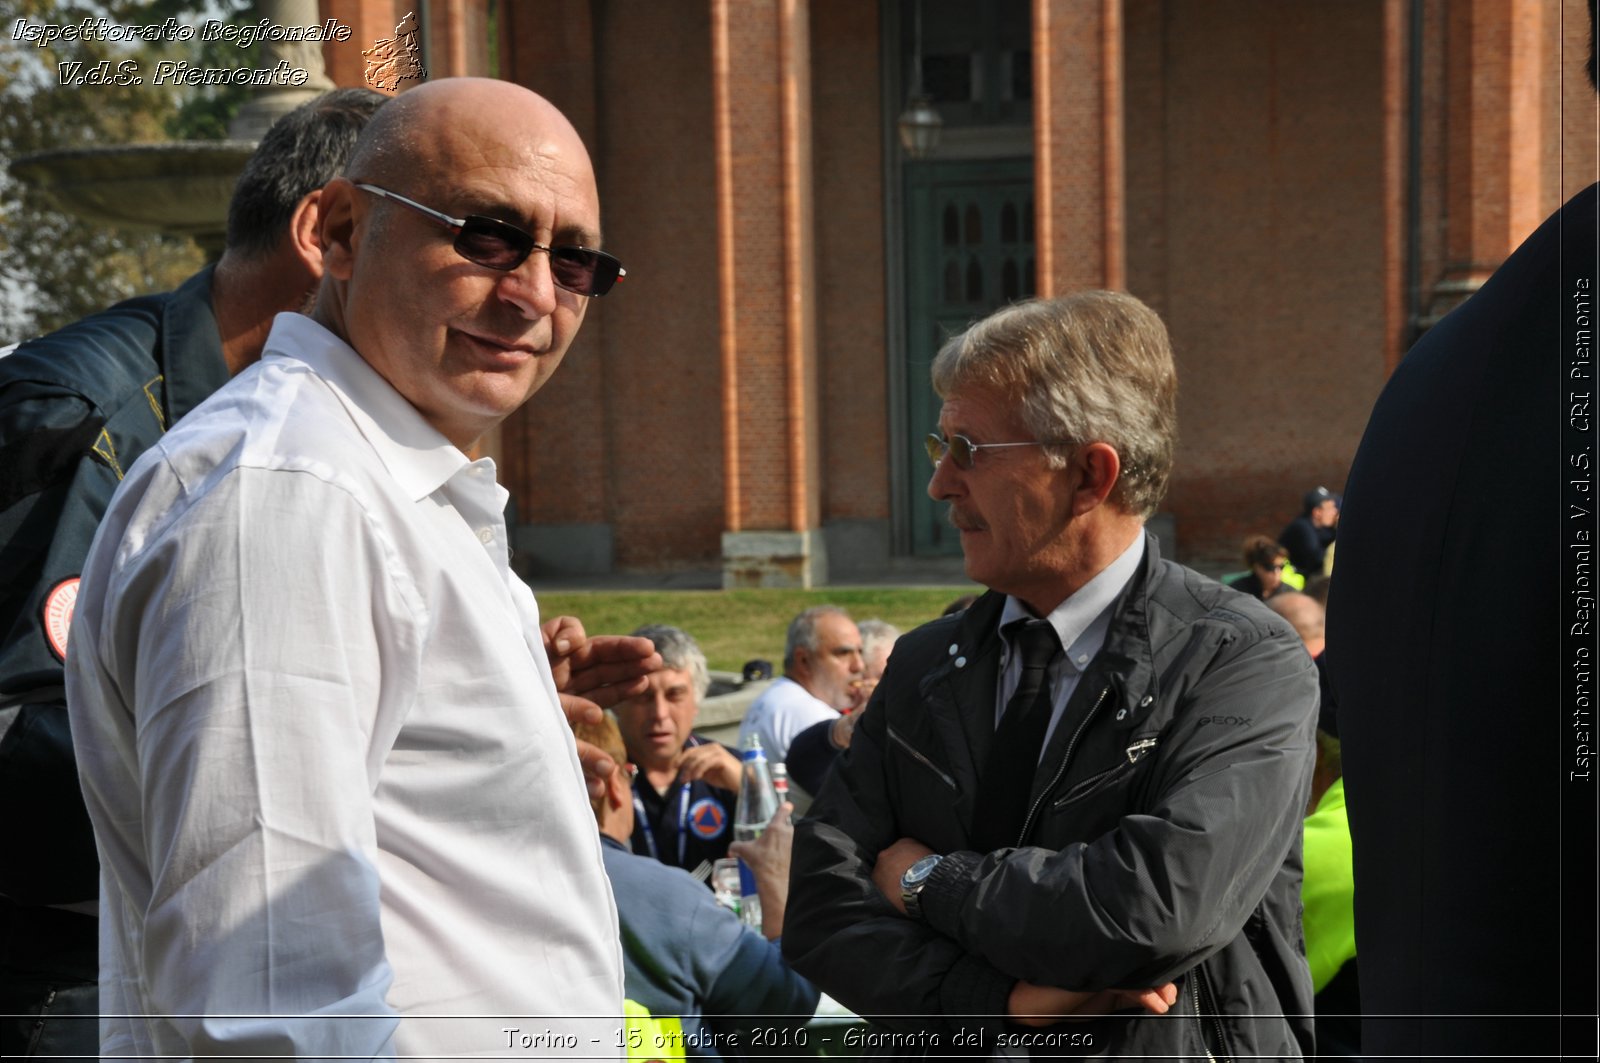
{"points": [[969, 251]]}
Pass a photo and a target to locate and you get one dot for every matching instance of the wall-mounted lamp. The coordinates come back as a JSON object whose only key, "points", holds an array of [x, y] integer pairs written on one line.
{"points": [[920, 123]]}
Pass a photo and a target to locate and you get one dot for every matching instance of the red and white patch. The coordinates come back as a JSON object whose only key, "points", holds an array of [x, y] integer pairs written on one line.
{"points": [[58, 606]]}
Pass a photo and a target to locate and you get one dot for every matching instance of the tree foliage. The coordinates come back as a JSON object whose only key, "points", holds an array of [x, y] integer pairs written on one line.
{"points": [[55, 268]]}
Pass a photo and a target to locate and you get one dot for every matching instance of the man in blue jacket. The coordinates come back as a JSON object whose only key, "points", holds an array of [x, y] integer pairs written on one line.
{"points": [[683, 955]]}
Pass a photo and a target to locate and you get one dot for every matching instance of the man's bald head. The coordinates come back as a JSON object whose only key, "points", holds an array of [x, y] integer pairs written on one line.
{"points": [[1304, 614], [464, 340], [404, 136]]}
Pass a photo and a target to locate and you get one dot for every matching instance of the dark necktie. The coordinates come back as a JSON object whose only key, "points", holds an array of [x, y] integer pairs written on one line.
{"points": [[1002, 799]]}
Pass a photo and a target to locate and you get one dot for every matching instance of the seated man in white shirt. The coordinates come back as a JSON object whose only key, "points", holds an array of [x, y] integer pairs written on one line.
{"points": [[822, 665], [338, 804]]}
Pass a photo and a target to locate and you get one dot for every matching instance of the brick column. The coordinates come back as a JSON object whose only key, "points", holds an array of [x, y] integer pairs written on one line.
{"points": [[1498, 71], [1078, 146], [762, 97], [554, 451], [458, 38]]}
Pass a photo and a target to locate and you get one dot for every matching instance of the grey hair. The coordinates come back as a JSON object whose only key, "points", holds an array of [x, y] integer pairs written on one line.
{"points": [[803, 631], [679, 652], [1094, 366], [874, 633]]}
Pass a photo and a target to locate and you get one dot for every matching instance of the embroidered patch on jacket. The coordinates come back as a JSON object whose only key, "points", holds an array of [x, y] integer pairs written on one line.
{"points": [[58, 605], [708, 819]]}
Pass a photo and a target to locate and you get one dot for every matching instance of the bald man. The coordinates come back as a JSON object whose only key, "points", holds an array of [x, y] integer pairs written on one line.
{"points": [[1305, 615], [315, 716]]}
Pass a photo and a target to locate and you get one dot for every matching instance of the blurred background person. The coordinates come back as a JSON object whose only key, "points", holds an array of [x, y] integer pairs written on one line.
{"points": [[684, 956], [687, 786], [814, 750], [1310, 536], [821, 659], [1266, 560]]}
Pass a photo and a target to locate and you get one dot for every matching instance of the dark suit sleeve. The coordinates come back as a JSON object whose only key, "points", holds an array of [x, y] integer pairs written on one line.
{"points": [[54, 488]]}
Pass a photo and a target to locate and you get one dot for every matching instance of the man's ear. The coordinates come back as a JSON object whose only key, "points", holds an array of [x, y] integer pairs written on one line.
{"points": [[329, 214], [618, 790], [802, 663], [305, 241], [1099, 466]]}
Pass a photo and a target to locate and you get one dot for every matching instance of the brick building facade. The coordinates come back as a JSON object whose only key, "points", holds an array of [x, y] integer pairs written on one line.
{"points": [[1296, 187]]}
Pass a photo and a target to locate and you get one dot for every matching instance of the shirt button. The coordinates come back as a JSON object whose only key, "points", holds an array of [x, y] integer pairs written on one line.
{"points": [[961, 662], [953, 649], [1083, 659], [485, 535]]}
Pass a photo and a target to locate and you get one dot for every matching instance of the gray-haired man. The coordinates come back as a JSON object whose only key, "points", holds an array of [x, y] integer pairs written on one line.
{"points": [[822, 665], [687, 786], [1091, 781]]}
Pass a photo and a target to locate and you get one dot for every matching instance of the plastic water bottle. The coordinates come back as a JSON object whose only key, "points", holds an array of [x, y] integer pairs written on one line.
{"points": [[758, 800]]}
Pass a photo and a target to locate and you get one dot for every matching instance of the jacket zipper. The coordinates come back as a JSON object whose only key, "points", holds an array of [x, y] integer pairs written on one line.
{"points": [[1088, 786], [894, 736], [1066, 759], [1195, 978]]}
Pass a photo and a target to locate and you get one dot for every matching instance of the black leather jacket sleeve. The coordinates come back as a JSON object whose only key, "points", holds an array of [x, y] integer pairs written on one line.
{"points": [[843, 934]]}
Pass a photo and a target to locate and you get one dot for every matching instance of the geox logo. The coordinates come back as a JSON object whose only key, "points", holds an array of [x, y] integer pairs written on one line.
{"points": [[1227, 721]]}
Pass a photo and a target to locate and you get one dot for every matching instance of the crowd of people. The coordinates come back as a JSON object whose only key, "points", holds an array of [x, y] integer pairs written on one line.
{"points": [[317, 779]]}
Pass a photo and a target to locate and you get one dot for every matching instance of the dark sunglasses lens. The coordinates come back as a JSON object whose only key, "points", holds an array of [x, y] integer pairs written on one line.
{"points": [[578, 269], [961, 451], [493, 243], [935, 447]]}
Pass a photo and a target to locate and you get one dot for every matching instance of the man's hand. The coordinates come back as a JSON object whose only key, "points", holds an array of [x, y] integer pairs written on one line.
{"points": [[1042, 1005], [842, 729], [768, 860], [605, 669], [713, 763], [597, 767], [892, 864]]}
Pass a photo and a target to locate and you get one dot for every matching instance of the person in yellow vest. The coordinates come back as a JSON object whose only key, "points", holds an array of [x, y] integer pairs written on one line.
{"points": [[1327, 892]]}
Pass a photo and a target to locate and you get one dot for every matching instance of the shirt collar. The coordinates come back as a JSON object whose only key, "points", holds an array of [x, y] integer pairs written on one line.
{"points": [[1082, 620], [417, 455]]}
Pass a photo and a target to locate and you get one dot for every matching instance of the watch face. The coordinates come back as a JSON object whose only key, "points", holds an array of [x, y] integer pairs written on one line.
{"points": [[919, 871]]}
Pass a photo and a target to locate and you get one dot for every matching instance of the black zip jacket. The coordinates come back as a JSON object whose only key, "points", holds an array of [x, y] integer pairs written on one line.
{"points": [[1163, 841]]}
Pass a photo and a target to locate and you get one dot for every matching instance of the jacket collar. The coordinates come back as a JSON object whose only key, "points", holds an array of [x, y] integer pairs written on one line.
{"points": [[192, 366], [960, 691]]}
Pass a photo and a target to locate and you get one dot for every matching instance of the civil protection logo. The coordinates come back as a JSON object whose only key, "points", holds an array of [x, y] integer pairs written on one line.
{"points": [[707, 818]]}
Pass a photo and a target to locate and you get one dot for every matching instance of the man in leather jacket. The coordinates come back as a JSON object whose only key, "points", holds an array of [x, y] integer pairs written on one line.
{"points": [[1089, 783]]}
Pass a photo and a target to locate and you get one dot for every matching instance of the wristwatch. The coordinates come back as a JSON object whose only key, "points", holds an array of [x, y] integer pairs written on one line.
{"points": [[911, 883]]}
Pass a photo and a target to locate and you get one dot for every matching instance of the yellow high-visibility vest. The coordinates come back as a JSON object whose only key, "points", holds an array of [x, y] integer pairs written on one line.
{"points": [[650, 1038]]}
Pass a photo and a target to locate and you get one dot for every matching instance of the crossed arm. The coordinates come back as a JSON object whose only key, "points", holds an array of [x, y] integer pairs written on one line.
{"points": [[1004, 933]]}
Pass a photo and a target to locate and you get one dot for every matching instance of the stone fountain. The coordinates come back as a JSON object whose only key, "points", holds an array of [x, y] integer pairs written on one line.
{"points": [[181, 187]]}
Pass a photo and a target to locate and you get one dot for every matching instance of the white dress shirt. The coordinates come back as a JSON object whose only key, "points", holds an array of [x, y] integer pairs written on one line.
{"points": [[321, 745]]}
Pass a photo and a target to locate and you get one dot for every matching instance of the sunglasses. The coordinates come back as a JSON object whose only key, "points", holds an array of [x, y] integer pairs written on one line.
{"points": [[500, 245], [963, 451]]}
